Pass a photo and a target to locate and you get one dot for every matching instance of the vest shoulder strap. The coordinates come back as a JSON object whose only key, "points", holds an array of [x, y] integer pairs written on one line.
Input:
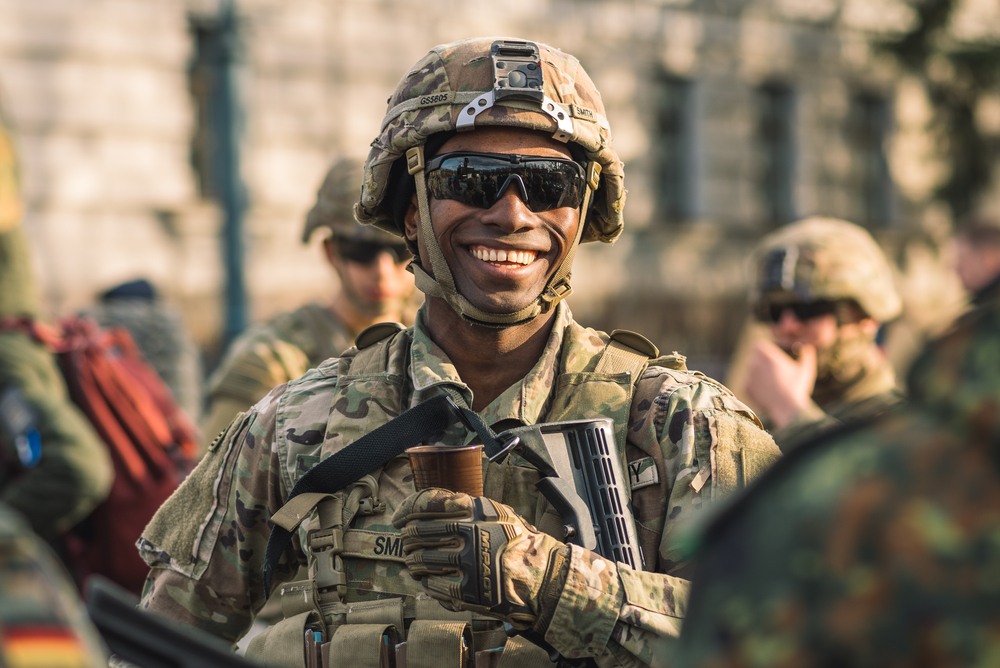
{"points": [[626, 351], [377, 332], [373, 345]]}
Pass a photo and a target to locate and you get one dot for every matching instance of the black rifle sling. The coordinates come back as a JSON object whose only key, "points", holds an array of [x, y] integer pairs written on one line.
{"points": [[372, 451]]}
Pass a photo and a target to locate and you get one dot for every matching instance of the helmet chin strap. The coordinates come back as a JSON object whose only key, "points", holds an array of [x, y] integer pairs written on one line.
{"points": [[441, 283]]}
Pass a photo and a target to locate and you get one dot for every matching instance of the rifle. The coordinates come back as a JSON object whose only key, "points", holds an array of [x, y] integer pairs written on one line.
{"points": [[150, 640], [582, 479]]}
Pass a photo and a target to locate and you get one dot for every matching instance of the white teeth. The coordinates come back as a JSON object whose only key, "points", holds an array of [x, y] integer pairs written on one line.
{"points": [[491, 255]]}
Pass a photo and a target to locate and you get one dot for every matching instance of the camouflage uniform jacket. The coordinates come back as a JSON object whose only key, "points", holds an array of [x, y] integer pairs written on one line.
{"points": [[689, 443], [885, 553], [269, 354], [42, 620]]}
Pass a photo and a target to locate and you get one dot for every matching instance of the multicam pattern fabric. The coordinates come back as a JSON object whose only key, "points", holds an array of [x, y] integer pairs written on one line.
{"points": [[206, 545], [334, 207], [268, 355], [42, 620], [876, 545], [431, 96], [825, 258], [441, 530]]}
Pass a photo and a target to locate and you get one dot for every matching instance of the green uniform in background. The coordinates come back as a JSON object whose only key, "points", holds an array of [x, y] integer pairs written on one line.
{"points": [[73, 473], [877, 544], [268, 355], [290, 343]]}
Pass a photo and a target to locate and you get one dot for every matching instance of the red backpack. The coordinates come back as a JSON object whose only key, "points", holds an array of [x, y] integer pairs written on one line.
{"points": [[152, 443]]}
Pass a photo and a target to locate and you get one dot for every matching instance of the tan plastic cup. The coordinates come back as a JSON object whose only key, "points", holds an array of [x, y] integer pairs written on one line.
{"points": [[455, 467]]}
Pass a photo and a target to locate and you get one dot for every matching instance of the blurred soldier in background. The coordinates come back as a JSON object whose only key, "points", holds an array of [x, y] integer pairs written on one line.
{"points": [[374, 287], [42, 620], [496, 214], [54, 469], [822, 288], [161, 335], [876, 543], [977, 251]]}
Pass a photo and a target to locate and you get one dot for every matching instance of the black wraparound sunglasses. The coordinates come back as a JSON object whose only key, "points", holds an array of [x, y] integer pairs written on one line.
{"points": [[365, 252], [771, 312], [481, 179]]}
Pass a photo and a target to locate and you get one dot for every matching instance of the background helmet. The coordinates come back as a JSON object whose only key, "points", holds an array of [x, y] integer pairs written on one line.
{"points": [[825, 259], [334, 207], [434, 97]]}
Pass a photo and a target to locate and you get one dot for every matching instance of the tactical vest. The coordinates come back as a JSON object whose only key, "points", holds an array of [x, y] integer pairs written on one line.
{"points": [[359, 604]]}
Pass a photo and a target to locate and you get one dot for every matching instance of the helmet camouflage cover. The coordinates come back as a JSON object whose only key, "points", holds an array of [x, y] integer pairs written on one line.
{"points": [[821, 258], [334, 207], [436, 96]]}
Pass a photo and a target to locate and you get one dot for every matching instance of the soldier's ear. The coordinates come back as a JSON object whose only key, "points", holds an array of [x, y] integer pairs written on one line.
{"points": [[411, 221]]}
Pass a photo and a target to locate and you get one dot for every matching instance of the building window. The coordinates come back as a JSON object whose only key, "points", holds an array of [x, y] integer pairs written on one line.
{"points": [[867, 131], [676, 145], [776, 138]]}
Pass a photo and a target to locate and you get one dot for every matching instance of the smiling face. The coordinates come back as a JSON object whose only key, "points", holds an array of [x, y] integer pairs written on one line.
{"points": [[500, 257]]}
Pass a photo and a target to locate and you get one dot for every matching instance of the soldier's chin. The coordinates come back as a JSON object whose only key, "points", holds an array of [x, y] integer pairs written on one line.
{"points": [[499, 307]]}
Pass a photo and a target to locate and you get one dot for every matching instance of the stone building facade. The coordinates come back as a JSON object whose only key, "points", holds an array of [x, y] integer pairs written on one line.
{"points": [[732, 116]]}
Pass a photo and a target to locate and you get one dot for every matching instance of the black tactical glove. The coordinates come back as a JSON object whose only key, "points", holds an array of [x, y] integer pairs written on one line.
{"points": [[472, 553]]}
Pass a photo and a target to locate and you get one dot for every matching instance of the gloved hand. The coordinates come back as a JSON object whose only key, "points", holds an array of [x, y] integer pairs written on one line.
{"points": [[473, 553]]}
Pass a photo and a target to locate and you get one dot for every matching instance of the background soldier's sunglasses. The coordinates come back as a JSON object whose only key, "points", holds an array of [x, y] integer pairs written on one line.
{"points": [[771, 313], [365, 252], [480, 179]]}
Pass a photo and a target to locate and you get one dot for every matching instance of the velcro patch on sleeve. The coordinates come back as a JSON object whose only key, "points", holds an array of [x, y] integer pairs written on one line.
{"points": [[642, 473]]}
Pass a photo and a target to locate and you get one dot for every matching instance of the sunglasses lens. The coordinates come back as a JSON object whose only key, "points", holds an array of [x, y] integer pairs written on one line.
{"points": [[480, 179], [365, 252], [802, 311]]}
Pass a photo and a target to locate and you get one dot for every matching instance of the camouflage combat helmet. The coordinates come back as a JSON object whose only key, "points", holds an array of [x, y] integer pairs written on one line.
{"points": [[334, 207], [481, 82], [821, 258]]}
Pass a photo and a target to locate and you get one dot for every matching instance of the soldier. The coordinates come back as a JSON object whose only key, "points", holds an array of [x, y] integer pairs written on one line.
{"points": [[374, 287], [885, 553], [822, 287], [977, 251], [54, 469], [42, 622], [494, 162]]}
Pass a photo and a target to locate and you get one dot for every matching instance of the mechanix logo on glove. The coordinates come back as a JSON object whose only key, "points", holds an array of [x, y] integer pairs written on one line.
{"points": [[472, 553]]}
